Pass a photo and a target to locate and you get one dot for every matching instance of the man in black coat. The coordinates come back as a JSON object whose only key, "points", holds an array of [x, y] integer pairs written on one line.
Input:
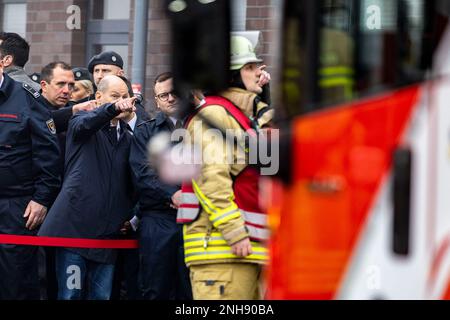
{"points": [[163, 273], [96, 197], [57, 81], [29, 182]]}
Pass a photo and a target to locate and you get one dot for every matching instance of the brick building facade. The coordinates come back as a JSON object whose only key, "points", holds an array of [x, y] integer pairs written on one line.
{"points": [[74, 30]]}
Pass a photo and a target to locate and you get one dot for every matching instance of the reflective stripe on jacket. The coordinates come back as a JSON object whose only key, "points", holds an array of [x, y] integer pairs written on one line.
{"points": [[217, 208], [245, 187]]}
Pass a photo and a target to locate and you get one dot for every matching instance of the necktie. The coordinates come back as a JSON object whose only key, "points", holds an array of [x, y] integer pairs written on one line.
{"points": [[113, 134], [178, 124]]}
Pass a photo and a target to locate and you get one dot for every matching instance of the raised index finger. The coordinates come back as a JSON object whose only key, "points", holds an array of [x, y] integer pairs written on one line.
{"points": [[132, 99]]}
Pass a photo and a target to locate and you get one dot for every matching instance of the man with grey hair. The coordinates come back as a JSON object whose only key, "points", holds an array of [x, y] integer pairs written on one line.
{"points": [[96, 198]]}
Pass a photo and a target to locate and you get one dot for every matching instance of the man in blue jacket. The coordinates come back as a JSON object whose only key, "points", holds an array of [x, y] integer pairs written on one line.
{"points": [[96, 197], [163, 273], [29, 182]]}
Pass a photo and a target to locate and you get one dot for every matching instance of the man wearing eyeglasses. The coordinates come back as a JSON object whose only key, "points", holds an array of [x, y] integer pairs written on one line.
{"points": [[163, 274]]}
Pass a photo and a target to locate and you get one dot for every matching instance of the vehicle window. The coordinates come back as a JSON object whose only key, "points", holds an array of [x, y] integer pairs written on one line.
{"points": [[369, 46]]}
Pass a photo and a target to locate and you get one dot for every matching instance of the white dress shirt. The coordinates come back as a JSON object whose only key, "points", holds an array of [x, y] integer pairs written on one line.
{"points": [[132, 122]]}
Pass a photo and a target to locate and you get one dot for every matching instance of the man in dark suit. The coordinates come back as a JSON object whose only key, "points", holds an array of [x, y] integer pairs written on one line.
{"points": [[163, 274], [96, 197]]}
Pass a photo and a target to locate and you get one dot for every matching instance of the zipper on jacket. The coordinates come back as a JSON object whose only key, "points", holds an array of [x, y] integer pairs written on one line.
{"points": [[207, 237]]}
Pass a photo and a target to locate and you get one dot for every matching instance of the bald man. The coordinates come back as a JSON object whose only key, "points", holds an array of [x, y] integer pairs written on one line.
{"points": [[110, 63], [95, 199]]}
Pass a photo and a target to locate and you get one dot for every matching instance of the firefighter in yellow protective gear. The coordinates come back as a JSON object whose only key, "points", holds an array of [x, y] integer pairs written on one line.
{"points": [[225, 229]]}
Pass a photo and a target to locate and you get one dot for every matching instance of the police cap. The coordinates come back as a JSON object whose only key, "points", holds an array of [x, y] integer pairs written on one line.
{"points": [[107, 57], [36, 77], [81, 74]]}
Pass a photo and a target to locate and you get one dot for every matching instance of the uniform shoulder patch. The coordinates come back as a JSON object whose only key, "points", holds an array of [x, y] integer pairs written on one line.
{"points": [[51, 126], [33, 92]]}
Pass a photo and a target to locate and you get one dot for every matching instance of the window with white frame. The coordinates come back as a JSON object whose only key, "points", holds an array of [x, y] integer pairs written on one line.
{"points": [[13, 16]]}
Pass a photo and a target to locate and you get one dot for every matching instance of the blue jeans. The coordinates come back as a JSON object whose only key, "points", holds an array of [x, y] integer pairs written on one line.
{"points": [[79, 278]]}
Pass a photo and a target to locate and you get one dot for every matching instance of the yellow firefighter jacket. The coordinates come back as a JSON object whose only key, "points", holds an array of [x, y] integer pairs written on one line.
{"points": [[204, 241]]}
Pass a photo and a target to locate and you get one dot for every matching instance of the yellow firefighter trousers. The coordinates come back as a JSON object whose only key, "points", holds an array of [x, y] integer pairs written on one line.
{"points": [[226, 281]]}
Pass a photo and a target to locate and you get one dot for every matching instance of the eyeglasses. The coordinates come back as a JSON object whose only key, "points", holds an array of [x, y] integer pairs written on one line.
{"points": [[165, 96]]}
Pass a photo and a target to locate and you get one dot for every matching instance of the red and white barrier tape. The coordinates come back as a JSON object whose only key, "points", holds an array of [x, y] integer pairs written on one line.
{"points": [[68, 242]]}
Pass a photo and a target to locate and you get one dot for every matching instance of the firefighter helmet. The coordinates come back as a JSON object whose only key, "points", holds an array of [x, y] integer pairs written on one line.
{"points": [[242, 52]]}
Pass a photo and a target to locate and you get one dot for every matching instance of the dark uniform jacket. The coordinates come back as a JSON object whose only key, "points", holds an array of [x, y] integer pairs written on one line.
{"points": [[62, 117], [154, 195], [96, 197], [61, 124], [29, 152], [29, 156]]}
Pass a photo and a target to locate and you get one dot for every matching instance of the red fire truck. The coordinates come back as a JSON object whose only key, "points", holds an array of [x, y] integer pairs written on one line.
{"points": [[360, 208]]}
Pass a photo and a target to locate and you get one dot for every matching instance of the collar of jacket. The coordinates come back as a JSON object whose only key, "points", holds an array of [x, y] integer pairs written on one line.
{"points": [[19, 75], [125, 126], [242, 99], [82, 100], [47, 103], [161, 118], [15, 70]]}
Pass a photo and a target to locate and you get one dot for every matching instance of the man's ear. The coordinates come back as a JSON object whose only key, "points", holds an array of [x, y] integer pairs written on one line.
{"points": [[8, 60], [121, 73], [98, 95], [44, 85]]}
